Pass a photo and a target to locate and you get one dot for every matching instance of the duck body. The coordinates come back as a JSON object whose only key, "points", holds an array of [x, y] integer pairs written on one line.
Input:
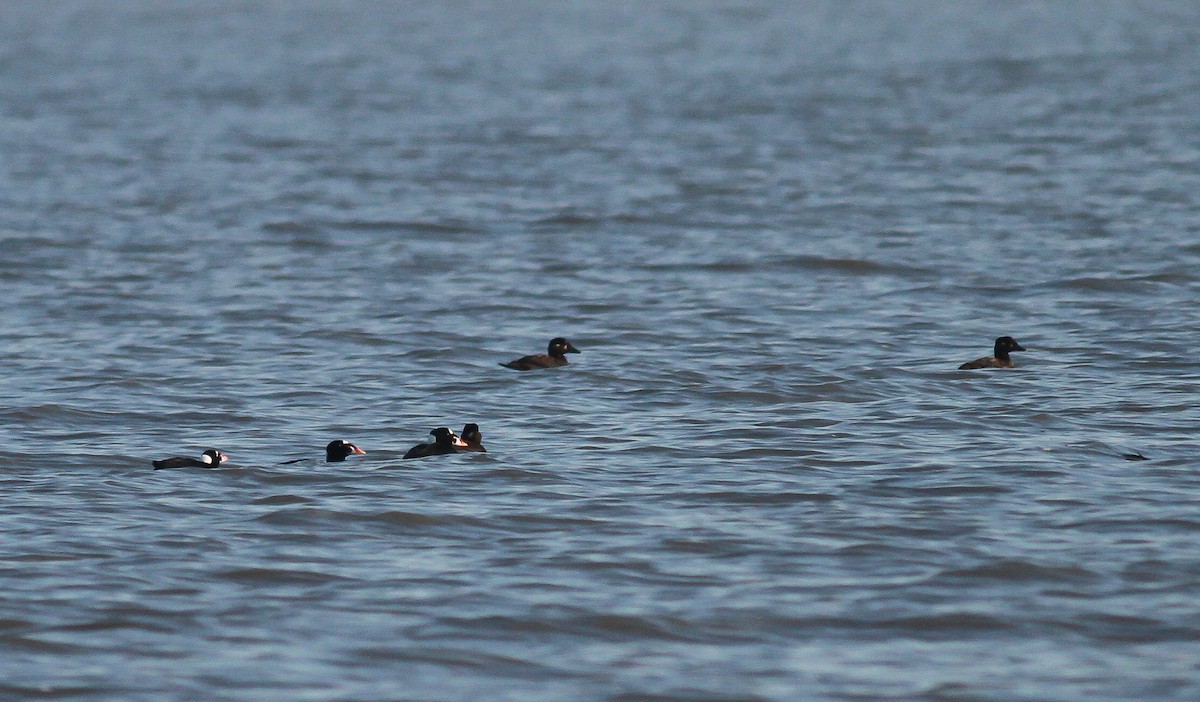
{"points": [[209, 459], [1004, 345], [444, 441], [554, 357], [472, 439]]}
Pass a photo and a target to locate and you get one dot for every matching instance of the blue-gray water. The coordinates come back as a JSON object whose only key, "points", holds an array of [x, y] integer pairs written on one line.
{"points": [[774, 229]]}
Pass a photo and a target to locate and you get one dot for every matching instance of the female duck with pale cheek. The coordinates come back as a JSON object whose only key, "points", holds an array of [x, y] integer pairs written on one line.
{"points": [[1001, 359], [472, 439], [209, 459], [555, 356]]}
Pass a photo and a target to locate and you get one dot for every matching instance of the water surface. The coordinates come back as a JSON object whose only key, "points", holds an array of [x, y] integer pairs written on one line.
{"points": [[773, 229]]}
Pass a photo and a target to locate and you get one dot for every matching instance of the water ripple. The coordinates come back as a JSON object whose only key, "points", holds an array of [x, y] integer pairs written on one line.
{"points": [[774, 230]]}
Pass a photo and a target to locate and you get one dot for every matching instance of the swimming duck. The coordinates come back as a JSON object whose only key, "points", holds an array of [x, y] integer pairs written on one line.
{"points": [[472, 439], [335, 452], [209, 459], [1001, 358], [555, 356], [444, 441]]}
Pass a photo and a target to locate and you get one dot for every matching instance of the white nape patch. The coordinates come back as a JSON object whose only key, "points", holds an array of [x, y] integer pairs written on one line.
{"points": [[206, 458]]}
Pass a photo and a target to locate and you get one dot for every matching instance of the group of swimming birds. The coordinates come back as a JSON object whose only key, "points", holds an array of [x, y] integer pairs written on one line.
{"points": [[446, 441]]}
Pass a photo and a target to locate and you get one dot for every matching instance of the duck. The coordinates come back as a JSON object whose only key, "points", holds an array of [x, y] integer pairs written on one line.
{"points": [[471, 438], [336, 451], [444, 441], [209, 459], [1001, 359], [555, 356]]}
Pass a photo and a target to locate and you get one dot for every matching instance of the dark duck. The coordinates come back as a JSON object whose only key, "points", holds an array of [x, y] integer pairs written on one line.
{"points": [[1001, 359], [209, 459], [555, 356], [444, 441], [472, 439], [336, 451]]}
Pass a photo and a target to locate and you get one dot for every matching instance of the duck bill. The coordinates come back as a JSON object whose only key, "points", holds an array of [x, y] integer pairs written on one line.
{"points": [[357, 450], [1018, 347], [571, 349]]}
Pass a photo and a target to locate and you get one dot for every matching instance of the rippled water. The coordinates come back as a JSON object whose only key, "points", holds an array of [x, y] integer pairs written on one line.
{"points": [[773, 229]]}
